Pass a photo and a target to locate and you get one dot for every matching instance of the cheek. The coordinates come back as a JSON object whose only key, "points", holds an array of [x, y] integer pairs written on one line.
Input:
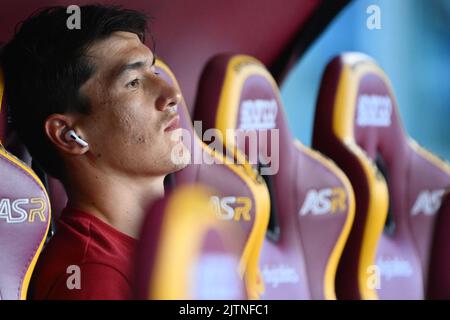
{"points": [[128, 120], [137, 125], [123, 114]]}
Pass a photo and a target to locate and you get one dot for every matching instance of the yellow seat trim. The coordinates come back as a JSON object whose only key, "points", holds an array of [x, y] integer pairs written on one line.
{"points": [[343, 115]]}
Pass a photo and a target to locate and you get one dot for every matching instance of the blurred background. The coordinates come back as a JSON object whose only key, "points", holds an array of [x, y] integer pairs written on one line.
{"points": [[413, 48]]}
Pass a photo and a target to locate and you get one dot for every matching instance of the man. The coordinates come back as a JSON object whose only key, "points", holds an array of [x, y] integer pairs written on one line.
{"points": [[92, 111]]}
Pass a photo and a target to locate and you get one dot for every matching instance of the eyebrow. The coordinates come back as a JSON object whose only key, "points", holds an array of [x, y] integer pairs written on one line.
{"points": [[133, 66]]}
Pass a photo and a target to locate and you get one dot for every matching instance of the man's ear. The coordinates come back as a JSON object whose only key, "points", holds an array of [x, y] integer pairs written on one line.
{"points": [[56, 127]]}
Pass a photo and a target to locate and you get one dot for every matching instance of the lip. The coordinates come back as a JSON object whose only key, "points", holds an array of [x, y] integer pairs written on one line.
{"points": [[173, 124]]}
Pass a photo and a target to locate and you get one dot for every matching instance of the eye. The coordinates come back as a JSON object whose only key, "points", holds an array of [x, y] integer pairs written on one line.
{"points": [[133, 84]]}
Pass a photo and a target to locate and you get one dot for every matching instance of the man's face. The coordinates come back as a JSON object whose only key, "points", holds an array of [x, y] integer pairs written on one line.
{"points": [[133, 111]]}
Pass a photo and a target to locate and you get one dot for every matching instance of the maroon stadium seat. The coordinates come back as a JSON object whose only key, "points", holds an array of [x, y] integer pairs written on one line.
{"points": [[242, 198], [184, 252], [397, 183], [312, 201], [24, 222]]}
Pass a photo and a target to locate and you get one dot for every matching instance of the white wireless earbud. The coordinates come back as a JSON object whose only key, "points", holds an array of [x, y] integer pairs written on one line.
{"points": [[71, 135]]}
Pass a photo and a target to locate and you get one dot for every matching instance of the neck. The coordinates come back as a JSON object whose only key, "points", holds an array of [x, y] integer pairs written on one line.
{"points": [[119, 201]]}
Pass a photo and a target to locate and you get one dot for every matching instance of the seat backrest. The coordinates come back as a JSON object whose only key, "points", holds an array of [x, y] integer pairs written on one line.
{"points": [[241, 199], [24, 222], [184, 252], [438, 275], [358, 125], [312, 201]]}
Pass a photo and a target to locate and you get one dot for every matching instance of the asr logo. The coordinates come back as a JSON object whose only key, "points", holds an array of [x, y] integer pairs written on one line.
{"points": [[22, 209], [319, 202], [427, 202], [231, 208]]}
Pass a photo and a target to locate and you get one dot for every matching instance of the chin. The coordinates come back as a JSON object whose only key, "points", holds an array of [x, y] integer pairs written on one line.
{"points": [[178, 167]]}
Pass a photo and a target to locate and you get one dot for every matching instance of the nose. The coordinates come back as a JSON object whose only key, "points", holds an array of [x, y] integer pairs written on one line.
{"points": [[168, 97]]}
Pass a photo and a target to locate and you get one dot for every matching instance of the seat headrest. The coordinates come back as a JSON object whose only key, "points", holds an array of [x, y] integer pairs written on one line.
{"points": [[243, 91], [24, 223], [238, 93], [365, 108], [357, 105]]}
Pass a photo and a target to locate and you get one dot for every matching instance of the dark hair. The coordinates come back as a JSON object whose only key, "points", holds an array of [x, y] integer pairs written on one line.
{"points": [[45, 65]]}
